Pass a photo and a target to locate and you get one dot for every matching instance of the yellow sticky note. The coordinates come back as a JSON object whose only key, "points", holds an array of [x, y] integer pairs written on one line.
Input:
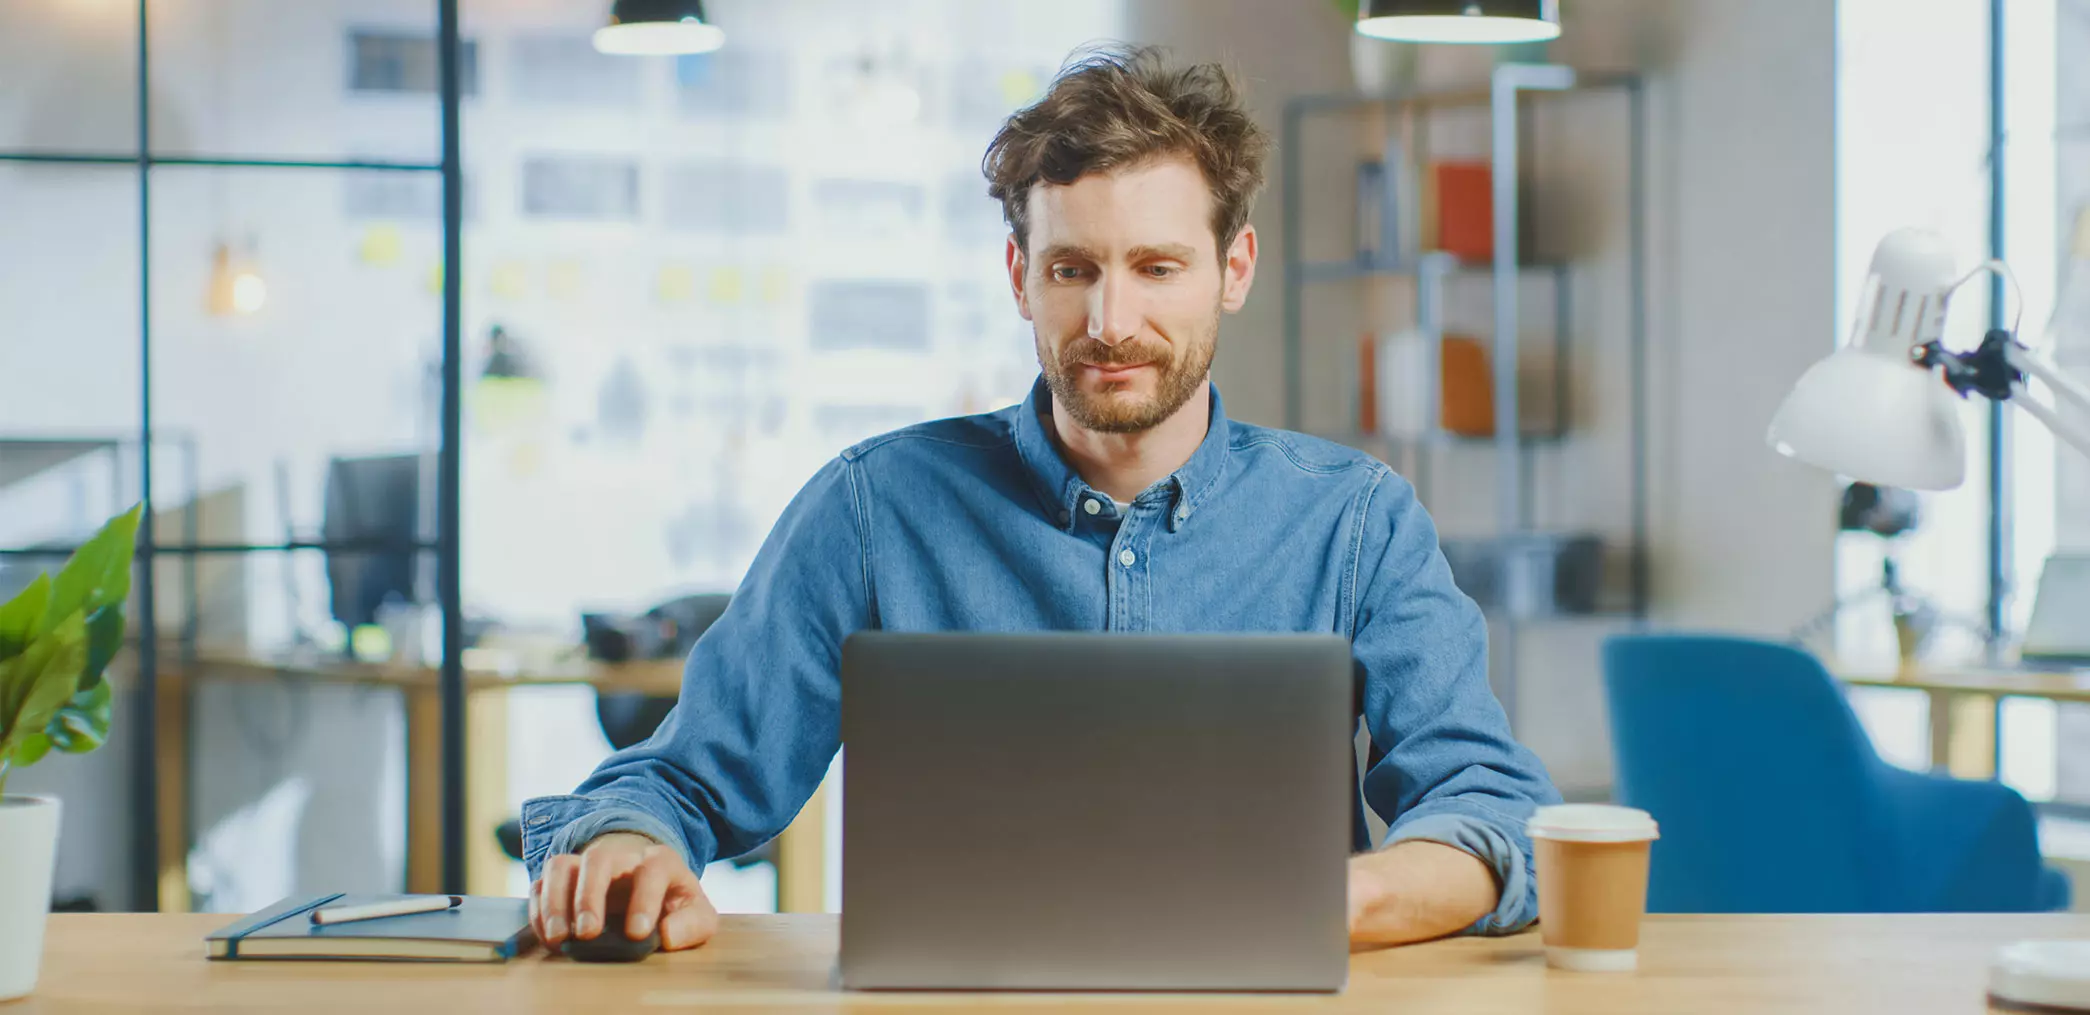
{"points": [[509, 280], [1018, 87], [726, 285], [675, 284], [380, 246], [435, 278], [564, 281]]}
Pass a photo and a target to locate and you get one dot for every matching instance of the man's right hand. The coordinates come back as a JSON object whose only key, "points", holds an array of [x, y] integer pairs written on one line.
{"points": [[621, 872]]}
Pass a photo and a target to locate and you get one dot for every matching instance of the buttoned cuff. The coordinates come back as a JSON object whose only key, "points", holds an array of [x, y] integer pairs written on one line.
{"points": [[566, 824], [1514, 907]]}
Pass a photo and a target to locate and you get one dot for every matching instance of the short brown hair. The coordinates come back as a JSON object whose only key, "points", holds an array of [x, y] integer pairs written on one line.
{"points": [[1119, 107]]}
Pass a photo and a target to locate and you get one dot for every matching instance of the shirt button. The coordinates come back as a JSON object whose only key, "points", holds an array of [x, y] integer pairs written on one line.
{"points": [[1091, 506], [1128, 558]]}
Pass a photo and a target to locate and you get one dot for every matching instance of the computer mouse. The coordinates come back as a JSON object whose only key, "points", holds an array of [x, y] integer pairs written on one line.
{"points": [[612, 945]]}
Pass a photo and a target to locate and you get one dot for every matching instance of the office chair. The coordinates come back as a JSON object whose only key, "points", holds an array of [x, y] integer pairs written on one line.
{"points": [[666, 631], [1772, 800]]}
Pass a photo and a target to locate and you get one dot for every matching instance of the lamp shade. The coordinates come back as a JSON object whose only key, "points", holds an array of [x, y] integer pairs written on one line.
{"points": [[658, 28], [1874, 417], [1468, 21]]}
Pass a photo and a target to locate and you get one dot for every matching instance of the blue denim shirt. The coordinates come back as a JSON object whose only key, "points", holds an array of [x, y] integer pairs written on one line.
{"points": [[977, 524]]}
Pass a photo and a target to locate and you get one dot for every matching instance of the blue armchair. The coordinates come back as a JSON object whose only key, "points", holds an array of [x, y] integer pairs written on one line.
{"points": [[1772, 800]]}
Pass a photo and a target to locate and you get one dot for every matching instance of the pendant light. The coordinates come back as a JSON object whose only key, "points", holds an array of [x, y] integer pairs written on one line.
{"points": [[658, 28], [1495, 22]]}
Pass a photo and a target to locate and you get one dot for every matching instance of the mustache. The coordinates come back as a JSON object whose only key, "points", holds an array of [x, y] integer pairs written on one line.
{"points": [[1125, 354]]}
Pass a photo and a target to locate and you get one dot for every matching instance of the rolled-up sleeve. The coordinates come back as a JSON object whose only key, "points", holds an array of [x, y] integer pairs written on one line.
{"points": [[759, 716], [1448, 770]]}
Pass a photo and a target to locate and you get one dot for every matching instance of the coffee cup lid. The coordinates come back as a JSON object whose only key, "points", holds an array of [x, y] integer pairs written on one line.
{"points": [[1592, 823]]}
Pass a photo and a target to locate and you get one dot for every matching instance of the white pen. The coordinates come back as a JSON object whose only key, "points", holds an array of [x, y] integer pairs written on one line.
{"points": [[396, 907]]}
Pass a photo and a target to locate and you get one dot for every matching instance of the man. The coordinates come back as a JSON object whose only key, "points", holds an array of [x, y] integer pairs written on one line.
{"points": [[1117, 497]]}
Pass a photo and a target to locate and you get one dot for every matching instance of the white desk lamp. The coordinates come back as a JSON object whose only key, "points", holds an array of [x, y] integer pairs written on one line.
{"points": [[1874, 410], [1883, 409]]}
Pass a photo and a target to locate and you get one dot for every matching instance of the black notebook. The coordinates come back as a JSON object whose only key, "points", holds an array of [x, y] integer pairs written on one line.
{"points": [[482, 929]]}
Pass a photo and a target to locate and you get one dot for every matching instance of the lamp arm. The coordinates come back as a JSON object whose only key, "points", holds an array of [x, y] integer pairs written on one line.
{"points": [[2073, 435], [2065, 388], [2076, 392], [1996, 370], [1997, 266]]}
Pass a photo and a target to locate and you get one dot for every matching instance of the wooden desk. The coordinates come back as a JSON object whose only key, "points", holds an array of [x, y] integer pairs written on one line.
{"points": [[1963, 704], [1705, 965], [488, 678]]}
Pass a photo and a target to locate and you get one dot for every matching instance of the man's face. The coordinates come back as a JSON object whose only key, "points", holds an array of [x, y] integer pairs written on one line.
{"points": [[1123, 286]]}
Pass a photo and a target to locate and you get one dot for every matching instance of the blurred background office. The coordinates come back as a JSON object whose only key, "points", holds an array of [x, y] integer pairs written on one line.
{"points": [[689, 280]]}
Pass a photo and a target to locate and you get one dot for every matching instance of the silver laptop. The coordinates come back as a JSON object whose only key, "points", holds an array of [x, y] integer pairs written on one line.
{"points": [[2059, 629], [1095, 811]]}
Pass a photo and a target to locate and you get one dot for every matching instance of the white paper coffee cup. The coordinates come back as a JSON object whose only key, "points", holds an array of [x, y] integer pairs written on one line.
{"points": [[1592, 883]]}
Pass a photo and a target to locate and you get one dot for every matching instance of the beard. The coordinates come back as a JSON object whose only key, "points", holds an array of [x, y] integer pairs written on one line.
{"points": [[1121, 411]]}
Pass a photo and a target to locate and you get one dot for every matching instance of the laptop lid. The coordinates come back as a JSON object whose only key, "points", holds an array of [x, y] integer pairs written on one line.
{"points": [[1084, 811]]}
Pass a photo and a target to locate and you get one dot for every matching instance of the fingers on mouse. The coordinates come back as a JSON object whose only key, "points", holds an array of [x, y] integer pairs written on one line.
{"points": [[612, 945]]}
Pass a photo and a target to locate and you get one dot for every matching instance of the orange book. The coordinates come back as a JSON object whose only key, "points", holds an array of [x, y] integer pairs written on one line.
{"points": [[1468, 407], [1368, 384], [1465, 209]]}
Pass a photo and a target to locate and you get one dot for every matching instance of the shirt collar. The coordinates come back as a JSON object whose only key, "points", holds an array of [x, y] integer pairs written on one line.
{"points": [[1060, 487]]}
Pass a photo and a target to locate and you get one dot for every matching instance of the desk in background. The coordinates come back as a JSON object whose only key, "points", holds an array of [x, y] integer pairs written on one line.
{"points": [[1963, 702], [488, 678], [1705, 965], [1962, 734]]}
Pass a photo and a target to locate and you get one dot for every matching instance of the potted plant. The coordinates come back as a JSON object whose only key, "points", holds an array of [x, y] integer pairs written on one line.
{"points": [[56, 638]]}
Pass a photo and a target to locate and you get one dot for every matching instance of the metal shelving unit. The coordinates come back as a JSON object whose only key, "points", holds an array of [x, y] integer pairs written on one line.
{"points": [[1512, 445], [143, 715]]}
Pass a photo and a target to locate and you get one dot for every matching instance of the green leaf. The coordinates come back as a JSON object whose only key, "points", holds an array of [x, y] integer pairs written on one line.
{"points": [[20, 616], [17, 676], [98, 574], [51, 670], [83, 724], [104, 640], [13, 688], [30, 750]]}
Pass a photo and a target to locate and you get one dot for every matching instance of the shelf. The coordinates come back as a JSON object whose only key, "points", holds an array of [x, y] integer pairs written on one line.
{"points": [[1507, 95], [1341, 271]]}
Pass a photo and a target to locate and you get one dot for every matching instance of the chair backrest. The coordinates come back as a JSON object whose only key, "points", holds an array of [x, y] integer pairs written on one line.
{"points": [[629, 719], [1756, 769]]}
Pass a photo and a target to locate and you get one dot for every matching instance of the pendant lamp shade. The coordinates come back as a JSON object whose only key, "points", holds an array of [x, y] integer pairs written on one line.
{"points": [[658, 28], [1466, 21]]}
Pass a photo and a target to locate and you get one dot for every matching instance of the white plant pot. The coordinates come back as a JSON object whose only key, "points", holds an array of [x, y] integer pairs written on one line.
{"points": [[28, 849]]}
